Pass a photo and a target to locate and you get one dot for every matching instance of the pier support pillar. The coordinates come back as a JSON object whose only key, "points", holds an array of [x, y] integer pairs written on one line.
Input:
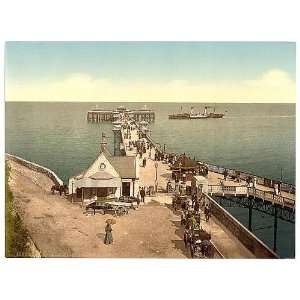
{"points": [[275, 228], [115, 143], [250, 214]]}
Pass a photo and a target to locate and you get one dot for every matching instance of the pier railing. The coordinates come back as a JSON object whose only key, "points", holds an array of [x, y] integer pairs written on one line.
{"points": [[222, 190], [244, 190], [286, 187], [271, 197]]}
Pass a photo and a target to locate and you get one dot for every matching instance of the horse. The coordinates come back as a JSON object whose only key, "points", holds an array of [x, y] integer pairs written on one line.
{"points": [[59, 188]]}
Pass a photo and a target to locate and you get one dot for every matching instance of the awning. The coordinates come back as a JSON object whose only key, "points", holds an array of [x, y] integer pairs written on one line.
{"points": [[88, 182]]}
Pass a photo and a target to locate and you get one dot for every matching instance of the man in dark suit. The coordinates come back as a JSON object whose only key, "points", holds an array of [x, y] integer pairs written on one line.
{"points": [[142, 192]]}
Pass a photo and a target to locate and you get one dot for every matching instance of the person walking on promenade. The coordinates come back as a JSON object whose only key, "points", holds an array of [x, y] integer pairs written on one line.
{"points": [[138, 197], [108, 234], [279, 187], [225, 174], [142, 192], [196, 206], [206, 212], [194, 198], [276, 192], [254, 182]]}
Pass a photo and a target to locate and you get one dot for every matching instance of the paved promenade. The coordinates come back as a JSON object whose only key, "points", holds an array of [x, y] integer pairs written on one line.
{"points": [[226, 243]]}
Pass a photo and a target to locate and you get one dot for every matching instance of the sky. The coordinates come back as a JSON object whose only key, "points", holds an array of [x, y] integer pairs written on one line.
{"points": [[236, 72]]}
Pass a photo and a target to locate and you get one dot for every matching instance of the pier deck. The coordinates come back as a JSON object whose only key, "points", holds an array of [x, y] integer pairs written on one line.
{"points": [[224, 241], [219, 186], [227, 244]]}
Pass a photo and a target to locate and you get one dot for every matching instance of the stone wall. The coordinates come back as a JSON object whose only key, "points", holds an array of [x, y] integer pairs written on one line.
{"points": [[35, 167], [248, 239]]}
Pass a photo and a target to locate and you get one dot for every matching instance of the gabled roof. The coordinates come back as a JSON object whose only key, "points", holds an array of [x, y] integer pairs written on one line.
{"points": [[124, 165]]}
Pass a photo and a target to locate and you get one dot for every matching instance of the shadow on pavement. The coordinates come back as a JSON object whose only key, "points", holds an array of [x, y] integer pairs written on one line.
{"points": [[179, 244]]}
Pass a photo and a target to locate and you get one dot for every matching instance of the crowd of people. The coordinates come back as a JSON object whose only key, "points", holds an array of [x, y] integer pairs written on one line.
{"points": [[145, 149]]}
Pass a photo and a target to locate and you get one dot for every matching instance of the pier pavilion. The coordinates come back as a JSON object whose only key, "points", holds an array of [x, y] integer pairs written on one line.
{"points": [[102, 115], [187, 166], [108, 177]]}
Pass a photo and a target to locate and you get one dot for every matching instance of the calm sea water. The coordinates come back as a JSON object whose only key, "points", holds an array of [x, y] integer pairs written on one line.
{"points": [[258, 138]]}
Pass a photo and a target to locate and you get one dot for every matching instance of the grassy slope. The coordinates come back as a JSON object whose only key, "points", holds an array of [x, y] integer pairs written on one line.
{"points": [[16, 236]]}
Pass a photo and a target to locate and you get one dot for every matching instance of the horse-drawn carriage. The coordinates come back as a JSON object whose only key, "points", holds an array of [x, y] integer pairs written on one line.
{"points": [[62, 189], [199, 243], [180, 201], [128, 199], [116, 208], [190, 214]]}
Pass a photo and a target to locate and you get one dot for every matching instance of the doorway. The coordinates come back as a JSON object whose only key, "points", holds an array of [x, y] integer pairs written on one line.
{"points": [[125, 188]]}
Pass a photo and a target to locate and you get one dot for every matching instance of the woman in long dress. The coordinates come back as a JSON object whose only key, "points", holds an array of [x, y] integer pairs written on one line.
{"points": [[108, 235]]}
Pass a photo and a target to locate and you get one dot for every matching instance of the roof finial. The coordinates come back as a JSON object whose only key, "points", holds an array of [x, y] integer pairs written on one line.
{"points": [[103, 142]]}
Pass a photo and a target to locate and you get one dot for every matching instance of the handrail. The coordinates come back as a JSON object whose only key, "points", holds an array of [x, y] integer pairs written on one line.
{"points": [[219, 169], [264, 195]]}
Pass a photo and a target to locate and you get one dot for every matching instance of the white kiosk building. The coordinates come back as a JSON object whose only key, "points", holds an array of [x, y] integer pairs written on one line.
{"points": [[108, 177]]}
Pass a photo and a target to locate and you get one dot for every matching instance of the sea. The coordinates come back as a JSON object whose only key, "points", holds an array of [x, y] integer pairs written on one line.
{"points": [[256, 138]]}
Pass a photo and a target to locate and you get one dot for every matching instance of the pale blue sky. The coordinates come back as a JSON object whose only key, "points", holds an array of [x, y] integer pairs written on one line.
{"points": [[147, 62]]}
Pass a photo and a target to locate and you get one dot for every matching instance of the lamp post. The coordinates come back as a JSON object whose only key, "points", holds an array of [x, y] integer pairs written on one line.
{"points": [[72, 190], [180, 165], [156, 166]]}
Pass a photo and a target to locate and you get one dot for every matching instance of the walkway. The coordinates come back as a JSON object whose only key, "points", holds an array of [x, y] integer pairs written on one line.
{"points": [[226, 243]]}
